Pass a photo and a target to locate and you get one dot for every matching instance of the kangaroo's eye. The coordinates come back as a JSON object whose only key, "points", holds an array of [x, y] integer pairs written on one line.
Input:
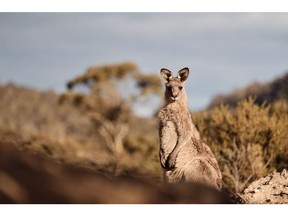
{"points": [[180, 87]]}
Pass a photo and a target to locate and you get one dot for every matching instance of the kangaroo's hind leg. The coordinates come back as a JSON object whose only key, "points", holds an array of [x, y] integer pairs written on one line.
{"points": [[202, 172]]}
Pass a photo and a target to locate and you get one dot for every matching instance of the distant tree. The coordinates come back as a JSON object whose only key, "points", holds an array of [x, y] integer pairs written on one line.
{"points": [[109, 110], [263, 92]]}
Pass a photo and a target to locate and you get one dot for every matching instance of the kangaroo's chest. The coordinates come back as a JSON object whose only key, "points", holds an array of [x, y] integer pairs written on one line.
{"points": [[176, 117]]}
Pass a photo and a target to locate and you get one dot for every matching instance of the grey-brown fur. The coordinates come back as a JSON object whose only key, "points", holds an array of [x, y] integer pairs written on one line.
{"points": [[183, 154]]}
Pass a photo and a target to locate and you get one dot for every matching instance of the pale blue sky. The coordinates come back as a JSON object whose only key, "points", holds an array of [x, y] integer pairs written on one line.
{"points": [[223, 50]]}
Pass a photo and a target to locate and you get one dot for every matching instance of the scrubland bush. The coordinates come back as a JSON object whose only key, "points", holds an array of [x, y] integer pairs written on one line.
{"points": [[248, 141], [70, 133]]}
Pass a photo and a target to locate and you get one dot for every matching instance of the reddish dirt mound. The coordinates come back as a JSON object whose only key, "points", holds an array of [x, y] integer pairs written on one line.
{"points": [[270, 189], [26, 177]]}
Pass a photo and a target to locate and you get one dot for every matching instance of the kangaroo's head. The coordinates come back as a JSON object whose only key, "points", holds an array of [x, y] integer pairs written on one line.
{"points": [[175, 86]]}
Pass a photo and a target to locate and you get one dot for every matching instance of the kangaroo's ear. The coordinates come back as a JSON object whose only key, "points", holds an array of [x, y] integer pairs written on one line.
{"points": [[166, 74], [183, 74]]}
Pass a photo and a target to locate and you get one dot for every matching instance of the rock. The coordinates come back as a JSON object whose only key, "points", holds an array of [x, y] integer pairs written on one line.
{"points": [[272, 189]]}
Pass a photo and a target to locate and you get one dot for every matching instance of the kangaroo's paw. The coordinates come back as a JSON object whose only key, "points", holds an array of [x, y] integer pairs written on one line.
{"points": [[170, 162], [163, 162], [162, 158]]}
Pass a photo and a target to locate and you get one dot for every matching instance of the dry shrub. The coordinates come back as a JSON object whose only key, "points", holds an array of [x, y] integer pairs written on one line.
{"points": [[249, 141], [69, 134], [30, 112]]}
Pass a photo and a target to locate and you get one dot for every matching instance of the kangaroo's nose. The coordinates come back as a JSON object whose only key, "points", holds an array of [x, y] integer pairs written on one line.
{"points": [[174, 97]]}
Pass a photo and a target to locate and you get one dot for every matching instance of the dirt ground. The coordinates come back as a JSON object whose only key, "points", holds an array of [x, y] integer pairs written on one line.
{"points": [[27, 177]]}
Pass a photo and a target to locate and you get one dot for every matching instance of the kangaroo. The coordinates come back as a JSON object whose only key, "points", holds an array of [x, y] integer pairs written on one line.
{"points": [[184, 156]]}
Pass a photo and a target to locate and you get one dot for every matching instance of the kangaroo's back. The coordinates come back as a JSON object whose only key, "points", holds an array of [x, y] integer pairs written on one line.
{"points": [[183, 154]]}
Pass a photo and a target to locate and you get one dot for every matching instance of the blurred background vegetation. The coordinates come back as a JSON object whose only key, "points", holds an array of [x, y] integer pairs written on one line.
{"points": [[93, 125]]}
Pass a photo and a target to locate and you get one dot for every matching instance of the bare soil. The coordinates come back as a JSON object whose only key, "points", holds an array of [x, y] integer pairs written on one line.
{"points": [[27, 177]]}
